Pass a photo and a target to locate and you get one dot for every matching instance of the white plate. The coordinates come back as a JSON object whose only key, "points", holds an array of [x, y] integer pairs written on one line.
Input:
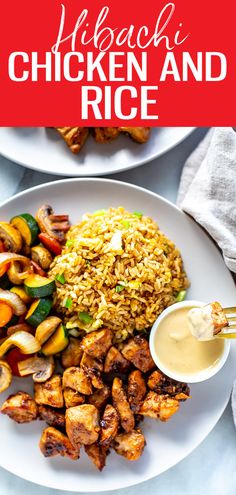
{"points": [[43, 150], [167, 443]]}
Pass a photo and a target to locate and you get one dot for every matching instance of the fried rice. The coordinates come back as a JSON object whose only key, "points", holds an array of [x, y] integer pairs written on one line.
{"points": [[117, 270]]}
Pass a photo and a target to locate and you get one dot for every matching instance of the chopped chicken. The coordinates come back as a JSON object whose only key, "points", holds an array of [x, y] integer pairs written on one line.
{"points": [[74, 137], [162, 384], [72, 398], [82, 424], [218, 316], [97, 343], [109, 426], [137, 351], [52, 416], [159, 406], [77, 379], [93, 369], [136, 390], [54, 442], [122, 406], [130, 445], [115, 362], [20, 407], [49, 393], [106, 134], [72, 355], [100, 397], [97, 454], [139, 134]]}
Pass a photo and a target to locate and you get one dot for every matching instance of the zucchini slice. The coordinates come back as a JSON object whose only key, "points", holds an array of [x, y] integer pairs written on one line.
{"points": [[37, 286], [38, 311], [57, 342], [27, 226]]}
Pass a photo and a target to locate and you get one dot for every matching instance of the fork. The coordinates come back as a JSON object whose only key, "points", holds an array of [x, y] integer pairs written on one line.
{"points": [[231, 324]]}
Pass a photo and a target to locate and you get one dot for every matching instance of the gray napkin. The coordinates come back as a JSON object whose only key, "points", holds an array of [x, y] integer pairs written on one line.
{"points": [[208, 193], [208, 189]]}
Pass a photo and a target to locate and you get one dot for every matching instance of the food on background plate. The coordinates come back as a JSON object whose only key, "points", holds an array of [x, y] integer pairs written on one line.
{"points": [[77, 316], [75, 137]]}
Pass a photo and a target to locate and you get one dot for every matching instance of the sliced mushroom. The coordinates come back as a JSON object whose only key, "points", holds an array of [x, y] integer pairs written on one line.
{"points": [[5, 376], [41, 255], [54, 225], [47, 328], [11, 237], [41, 368]]}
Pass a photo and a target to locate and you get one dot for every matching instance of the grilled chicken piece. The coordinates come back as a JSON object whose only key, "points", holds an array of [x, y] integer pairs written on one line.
{"points": [[93, 369], [163, 385], [20, 407], [96, 344], [72, 398], [137, 351], [74, 137], [136, 390], [130, 445], [159, 406], [106, 134], [109, 426], [115, 362], [139, 134], [97, 454], [49, 393], [54, 442], [52, 417], [72, 355], [77, 379], [100, 397], [82, 424], [122, 406]]}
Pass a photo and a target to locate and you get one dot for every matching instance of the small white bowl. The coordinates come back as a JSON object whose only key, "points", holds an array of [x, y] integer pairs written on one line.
{"points": [[196, 377]]}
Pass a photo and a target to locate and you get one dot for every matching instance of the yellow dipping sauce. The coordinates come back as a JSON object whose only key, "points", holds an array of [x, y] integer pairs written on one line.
{"points": [[179, 351]]}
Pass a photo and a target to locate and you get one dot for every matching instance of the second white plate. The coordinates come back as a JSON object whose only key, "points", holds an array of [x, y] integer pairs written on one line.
{"points": [[43, 150]]}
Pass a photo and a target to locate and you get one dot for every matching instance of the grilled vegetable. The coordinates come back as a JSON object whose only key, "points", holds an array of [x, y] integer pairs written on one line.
{"points": [[6, 258], [38, 311], [37, 286], [5, 376], [26, 342], [4, 269], [20, 291], [13, 357], [54, 225], [41, 368], [41, 256], [57, 342], [11, 237], [27, 226], [47, 328], [5, 314], [14, 301], [18, 328], [50, 243]]}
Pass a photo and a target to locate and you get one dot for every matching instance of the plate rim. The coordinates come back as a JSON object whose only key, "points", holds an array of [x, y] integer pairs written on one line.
{"points": [[197, 443], [97, 174]]}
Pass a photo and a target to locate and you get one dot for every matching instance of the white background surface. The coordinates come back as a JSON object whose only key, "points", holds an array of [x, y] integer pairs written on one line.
{"points": [[211, 468]]}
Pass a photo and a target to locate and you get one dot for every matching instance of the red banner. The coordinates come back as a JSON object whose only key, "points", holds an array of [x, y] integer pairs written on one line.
{"points": [[87, 63]]}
